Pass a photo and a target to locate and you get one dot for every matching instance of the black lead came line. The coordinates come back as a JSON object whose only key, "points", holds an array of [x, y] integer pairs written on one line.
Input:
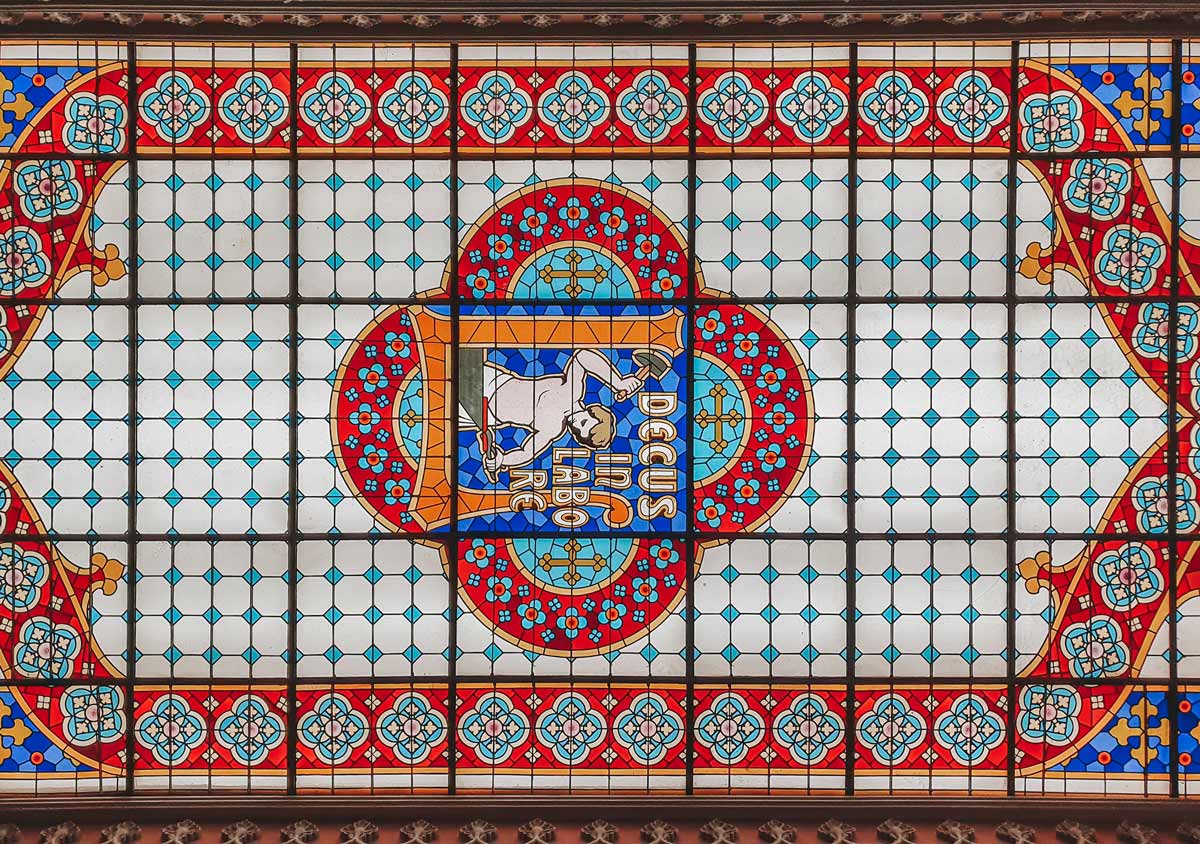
{"points": [[690, 497], [452, 550]]}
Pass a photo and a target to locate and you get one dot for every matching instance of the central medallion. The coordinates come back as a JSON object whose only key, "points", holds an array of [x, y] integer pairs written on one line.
{"points": [[565, 416], [566, 411]]}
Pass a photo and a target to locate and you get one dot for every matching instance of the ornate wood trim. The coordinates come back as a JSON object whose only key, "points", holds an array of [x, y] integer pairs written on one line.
{"points": [[670, 20], [517, 808]]}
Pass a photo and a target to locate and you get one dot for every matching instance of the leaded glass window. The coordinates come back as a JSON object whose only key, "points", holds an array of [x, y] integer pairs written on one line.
{"points": [[655, 418]]}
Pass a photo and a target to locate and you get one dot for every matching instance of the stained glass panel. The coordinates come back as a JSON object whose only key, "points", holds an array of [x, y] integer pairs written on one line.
{"points": [[582, 417]]}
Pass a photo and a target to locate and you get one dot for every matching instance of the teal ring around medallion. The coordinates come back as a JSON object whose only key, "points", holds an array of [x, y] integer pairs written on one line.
{"points": [[719, 419], [410, 415], [572, 271], [572, 563]]}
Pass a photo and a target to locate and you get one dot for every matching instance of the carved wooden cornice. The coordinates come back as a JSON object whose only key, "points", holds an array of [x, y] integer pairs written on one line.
{"points": [[671, 19], [468, 828], [582, 819]]}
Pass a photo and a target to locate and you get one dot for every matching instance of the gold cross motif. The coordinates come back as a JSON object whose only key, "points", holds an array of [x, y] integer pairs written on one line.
{"points": [[718, 419], [1124, 732], [573, 274], [16, 108], [572, 547], [1147, 85]]}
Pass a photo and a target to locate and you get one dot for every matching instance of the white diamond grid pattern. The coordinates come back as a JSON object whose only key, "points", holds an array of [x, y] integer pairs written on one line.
{"points": [[933, 367]]}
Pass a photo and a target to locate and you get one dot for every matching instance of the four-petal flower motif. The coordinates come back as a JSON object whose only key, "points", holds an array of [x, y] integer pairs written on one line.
{"points": [[1128, 576], [250, 730], [531, 614], [397, 490], [1152, 337], [493, 728], [571, 728], [23, 264], [970, 730], [1152, 501], [412, 728], [710, 324], [651, 106], [648, 729], [571, 622], [710, 511], [893, 107], [972, 106], [732, 106], [47, 189], [414, 107], [496, 107], [481, 283], [46, 650], [482, 553], [335, 107], [729, 728], [1130, 258], [812, 106], [94, 124], [174, 107], [1051, 122], [891, 730], [253, 107], [23, 573], [1097, 187], [574, 107], [1049, 714], [1096, 648], [1193, 460], [808, 729], [93, 713], [171, 730], [666, 283], [664, 553], [333, 729], [533, 222]]}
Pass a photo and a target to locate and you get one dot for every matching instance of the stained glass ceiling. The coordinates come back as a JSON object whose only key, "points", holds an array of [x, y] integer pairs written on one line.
{"points": [[640, 418]]}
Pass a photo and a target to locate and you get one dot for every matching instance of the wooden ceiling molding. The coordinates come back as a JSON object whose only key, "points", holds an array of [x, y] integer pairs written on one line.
{"points": [[578, 819], [626, 20], [390, 827]]}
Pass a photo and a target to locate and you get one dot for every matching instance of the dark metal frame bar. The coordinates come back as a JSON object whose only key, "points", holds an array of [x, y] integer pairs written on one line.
{"points": [[852, 301], [131, 548], [860, 299], [690, 499], [715, 535], [1010, 422], [1175, 264], [293, 542]]}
